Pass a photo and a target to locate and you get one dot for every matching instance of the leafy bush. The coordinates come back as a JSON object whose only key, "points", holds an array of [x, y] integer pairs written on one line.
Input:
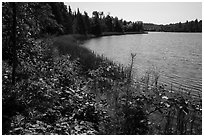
{"points": [[52, 90]]}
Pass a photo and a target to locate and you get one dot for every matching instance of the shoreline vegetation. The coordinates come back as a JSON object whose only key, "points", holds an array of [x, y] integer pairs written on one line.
{"points": [[51, 85], [104, 97], [175, 106]]}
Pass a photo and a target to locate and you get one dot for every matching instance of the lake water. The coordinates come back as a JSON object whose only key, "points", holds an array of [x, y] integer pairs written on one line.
{"points": [[176, 56]]}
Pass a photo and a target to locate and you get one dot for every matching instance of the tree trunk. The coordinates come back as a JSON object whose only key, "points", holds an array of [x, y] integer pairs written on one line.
{"points": [[14, 44]]}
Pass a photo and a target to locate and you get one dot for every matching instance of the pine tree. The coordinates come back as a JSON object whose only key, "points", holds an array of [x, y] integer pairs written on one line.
{"points": [[78, 24], [109, 24], [96, 27], [117, 25], [87, 23]]}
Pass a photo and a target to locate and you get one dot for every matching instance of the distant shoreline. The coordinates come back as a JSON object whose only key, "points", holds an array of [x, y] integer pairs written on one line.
{"points": [[121, 33], [174, 31]]}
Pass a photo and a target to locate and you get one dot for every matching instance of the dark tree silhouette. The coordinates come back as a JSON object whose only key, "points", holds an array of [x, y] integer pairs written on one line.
{"points": [[96, 27], [87, 23], [109, 24]]}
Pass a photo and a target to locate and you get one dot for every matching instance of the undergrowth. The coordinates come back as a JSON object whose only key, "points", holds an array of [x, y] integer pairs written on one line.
{"points": [[66, 89]]}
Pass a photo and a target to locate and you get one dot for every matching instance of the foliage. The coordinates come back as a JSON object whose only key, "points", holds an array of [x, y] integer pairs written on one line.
{"points": [[64, 19], [192, 26], [79, 24], [55, 18], [33, 19], [49, 98]]}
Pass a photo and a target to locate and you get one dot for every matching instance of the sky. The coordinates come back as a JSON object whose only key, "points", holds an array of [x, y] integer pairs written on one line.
{"points": [[148, 12]]}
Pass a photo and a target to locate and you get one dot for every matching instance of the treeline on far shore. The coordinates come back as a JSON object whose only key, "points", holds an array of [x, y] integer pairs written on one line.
{"points": [[188, 26]]}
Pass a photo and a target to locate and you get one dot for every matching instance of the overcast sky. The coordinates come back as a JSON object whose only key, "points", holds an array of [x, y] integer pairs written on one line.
{"points": [[148, 12]]}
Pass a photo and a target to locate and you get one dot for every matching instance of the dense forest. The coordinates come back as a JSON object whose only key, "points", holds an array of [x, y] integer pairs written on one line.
{"points": [[188, 26], [52, 85], [39, 19], [78, 23]]}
